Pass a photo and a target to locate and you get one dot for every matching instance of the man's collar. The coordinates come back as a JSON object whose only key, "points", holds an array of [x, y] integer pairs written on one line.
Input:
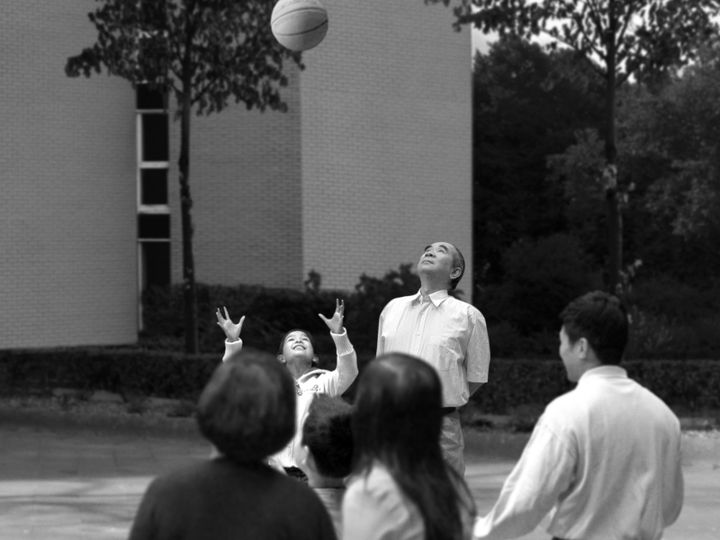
{"points": [[604, 371], [437, 297]]}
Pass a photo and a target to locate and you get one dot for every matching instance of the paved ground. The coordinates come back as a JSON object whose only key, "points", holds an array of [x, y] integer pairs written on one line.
{"points": [[62, 483]]}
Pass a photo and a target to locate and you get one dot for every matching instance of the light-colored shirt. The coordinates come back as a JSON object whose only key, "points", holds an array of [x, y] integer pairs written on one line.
{"points": [[317, 381], [332, 498], [449, 334], [375, 508], [603, 463]]}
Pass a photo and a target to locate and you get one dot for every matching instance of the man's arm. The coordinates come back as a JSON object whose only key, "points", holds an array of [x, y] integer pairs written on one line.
{"points": [[544, 470], [473, 387], [477, 355], [380, 348]]}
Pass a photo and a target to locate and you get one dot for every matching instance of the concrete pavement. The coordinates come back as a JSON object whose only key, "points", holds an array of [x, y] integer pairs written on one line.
{"points": [[62, 483]]}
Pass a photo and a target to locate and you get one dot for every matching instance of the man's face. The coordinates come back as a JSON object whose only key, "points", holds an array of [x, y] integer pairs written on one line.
{"points": [[571, 355], [439, 259]]}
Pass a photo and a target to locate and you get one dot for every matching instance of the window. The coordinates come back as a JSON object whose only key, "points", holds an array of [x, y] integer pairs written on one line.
{"points": [[153, 209]]}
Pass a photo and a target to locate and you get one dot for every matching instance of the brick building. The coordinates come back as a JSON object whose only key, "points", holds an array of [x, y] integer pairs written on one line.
{"points": [[371, 163]]}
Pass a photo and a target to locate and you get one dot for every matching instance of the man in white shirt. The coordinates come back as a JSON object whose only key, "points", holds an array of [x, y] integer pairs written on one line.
{"points": [[449, 334], [603, 461]]}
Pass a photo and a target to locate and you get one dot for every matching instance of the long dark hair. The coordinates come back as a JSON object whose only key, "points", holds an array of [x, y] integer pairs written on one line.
{"points": [[397, 422]]}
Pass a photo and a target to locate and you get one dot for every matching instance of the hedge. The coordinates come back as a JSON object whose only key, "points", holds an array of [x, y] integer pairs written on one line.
{"points": [[686, 385], [119, 370]]}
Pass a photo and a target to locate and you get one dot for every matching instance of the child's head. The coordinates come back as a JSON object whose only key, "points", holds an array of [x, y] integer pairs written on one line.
{"points": [[297, 347], [247, 409], [327, 435]]}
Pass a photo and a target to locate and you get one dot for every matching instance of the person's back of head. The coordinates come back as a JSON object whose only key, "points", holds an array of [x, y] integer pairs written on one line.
{"points": [[602, 320], [397, 409], [247, 409], [327, 434], [397, 422]]}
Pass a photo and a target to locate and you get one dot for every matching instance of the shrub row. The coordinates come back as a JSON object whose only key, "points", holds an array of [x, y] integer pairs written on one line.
{"points": [[119, 370], [687, 385], [690, 386], [272, 312]]}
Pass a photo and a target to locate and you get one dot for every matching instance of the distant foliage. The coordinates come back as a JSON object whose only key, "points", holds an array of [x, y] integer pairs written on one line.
{"points": [[687, 385], [272, 312], [541, 277]]}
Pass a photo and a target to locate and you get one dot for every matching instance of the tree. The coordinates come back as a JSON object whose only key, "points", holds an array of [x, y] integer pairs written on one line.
{"points": [[527, 104], [621, 39], [204, 53]]}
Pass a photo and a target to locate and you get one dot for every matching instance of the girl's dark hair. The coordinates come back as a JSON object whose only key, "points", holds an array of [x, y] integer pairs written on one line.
{"points": [[397, 421], [247, 409]]}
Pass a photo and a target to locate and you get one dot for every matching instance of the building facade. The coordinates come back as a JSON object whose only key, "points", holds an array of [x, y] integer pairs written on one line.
{"points": [[371, 162]]}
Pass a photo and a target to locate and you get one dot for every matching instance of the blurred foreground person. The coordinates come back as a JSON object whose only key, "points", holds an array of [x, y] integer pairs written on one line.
{"points": [[402, 488], [247, 411], [327, 439], [603, 462]]}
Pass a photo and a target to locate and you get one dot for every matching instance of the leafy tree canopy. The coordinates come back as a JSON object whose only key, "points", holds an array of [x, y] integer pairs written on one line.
{"points": [[211, 49], [622, 37]]}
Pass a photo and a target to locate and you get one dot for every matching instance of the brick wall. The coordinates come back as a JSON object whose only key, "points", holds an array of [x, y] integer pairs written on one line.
{"points": [[372, 162], [67, 228], [245, 183], [386, 138]]}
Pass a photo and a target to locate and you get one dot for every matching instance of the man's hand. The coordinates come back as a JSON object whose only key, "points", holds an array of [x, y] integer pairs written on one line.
{"points": [[232, 330], [336, 323]]}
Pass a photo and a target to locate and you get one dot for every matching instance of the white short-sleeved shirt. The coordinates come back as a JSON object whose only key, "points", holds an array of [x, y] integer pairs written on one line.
{"points": [[449, 334]]}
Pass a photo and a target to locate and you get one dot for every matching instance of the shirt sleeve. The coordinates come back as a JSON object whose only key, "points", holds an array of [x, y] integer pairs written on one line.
{"points": [[374, 512], [339, 380], [380, 348], [478, 349], [144, 527], [231, 348], [544, 470], [673, 485]]}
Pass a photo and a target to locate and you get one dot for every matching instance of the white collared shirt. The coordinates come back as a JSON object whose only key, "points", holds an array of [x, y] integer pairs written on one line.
{"points": [[603, 463], [449, 334]]}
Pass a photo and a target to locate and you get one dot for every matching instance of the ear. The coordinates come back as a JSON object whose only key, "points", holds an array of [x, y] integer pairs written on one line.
{"points": [[583, 347], [281, 359], [306, 462], [315, 361], [455, 272]]}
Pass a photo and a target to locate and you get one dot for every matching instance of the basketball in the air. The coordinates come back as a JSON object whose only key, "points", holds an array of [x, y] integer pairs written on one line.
{"points": [[299, 25]]}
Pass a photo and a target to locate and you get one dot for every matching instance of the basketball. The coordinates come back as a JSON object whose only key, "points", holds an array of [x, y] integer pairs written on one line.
{"points": [[299, 25]]}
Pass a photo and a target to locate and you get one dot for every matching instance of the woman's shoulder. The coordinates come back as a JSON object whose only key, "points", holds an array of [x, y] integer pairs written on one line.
{"points": [[378, 484]]}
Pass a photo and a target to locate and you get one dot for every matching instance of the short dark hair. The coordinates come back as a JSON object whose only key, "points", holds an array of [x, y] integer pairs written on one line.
{"points": [[247, 409], [458, 261], [328, 435], [602, 320]]}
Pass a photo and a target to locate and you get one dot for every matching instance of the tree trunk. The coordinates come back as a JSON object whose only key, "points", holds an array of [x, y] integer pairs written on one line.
{"points": [[612, 201], [188, 262]]}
